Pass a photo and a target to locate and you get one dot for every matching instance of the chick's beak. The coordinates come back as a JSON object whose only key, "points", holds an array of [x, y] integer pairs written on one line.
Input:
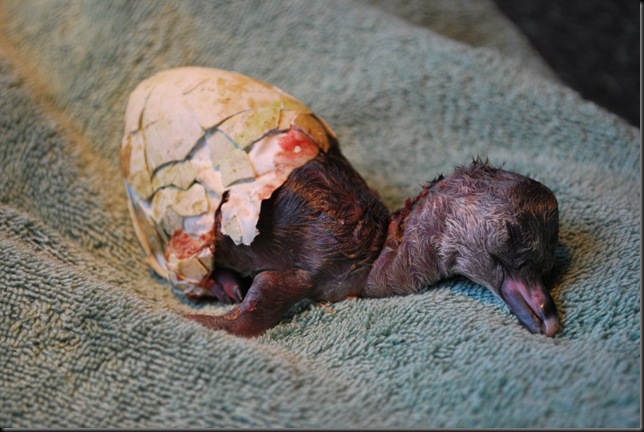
{"points": [[532, 304]]}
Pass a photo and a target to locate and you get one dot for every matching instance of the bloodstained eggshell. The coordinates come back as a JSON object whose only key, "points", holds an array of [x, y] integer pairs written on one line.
{"points": [[193, 133]]}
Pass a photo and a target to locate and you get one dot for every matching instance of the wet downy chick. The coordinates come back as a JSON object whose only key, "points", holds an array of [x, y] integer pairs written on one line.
{"points": [[495, 227], [325, 235]]}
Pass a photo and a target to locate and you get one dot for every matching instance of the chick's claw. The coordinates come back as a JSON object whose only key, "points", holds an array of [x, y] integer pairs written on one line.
{"points": [[228, 286]]}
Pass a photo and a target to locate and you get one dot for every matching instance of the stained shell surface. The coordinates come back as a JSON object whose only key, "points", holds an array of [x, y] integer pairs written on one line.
{"points": [[192, 134]]}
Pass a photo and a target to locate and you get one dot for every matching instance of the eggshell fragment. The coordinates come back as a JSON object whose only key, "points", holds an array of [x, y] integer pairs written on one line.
{"points": [[181, 175], [191, 135], [235, 166]]}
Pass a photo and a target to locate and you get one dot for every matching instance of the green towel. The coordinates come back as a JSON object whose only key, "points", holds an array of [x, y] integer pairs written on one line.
{"points": [[89, 337]]}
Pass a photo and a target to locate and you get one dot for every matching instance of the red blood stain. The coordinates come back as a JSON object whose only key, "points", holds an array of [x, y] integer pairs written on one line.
{"points": [[297, 149], [266, 191], [183, 245]]}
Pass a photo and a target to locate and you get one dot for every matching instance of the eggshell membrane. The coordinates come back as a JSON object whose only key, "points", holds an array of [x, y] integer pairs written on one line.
{"points": [[192, 134]]}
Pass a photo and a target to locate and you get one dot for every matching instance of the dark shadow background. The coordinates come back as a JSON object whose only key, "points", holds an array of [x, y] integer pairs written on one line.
{"points": [[592, 45]]}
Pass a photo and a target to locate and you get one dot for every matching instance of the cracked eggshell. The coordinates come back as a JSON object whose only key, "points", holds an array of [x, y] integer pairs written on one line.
{"points": [[191, 134]]}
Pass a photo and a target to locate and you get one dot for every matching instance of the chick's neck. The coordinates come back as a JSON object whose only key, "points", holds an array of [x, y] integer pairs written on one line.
{"points": [[409, 259]]}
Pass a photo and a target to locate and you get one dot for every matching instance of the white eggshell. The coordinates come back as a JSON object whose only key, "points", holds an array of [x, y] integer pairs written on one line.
{"points": [[192, 134]]}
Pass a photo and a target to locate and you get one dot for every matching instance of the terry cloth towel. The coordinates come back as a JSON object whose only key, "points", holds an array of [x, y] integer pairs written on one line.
{"points": [[89, 337]]}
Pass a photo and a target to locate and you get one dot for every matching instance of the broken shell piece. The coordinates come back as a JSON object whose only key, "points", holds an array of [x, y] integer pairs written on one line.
{"points": [[151, 243], [133, 164], [232, 228], [310, 125], [219, 144], [247, 127], [179, 132], [170, 222], [192, 202], [235, 166], [201, 223], [192, 269], [181, 175], [189, 258], [192, 134], [286, 119]]}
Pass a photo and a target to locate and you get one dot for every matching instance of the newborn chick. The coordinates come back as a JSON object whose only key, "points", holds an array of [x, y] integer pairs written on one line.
{"points": [[325, 235], [495, 227]]}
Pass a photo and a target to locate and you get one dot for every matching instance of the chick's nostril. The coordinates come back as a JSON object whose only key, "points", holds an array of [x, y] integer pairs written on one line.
{"points": [[548, 308]]}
